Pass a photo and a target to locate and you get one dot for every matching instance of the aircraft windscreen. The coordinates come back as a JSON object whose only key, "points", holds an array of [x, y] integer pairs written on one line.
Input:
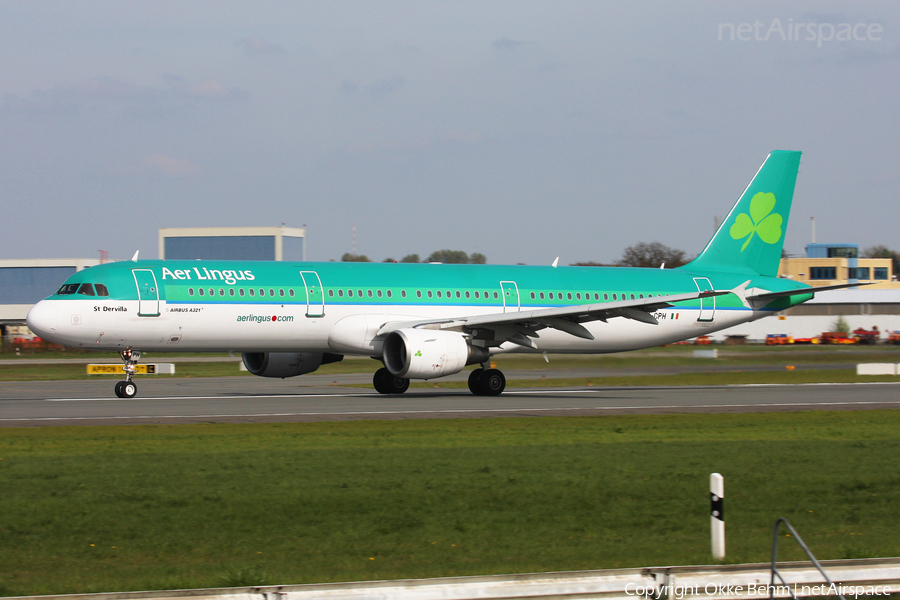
{"points": [[68, 288]]}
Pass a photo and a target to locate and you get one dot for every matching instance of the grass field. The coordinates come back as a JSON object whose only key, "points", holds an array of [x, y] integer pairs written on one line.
{"points": [[88, 509]]}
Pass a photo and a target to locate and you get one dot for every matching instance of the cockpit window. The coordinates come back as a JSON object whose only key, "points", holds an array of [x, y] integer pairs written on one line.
{"points": [[86, 289], [101, 289], [68, 288]]}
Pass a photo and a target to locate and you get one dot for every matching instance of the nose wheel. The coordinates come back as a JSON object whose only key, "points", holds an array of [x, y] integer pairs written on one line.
{"points": [[127, 388]]}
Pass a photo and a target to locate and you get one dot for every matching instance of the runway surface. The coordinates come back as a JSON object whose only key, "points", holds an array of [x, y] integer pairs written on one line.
{"points": [[245, 400]]}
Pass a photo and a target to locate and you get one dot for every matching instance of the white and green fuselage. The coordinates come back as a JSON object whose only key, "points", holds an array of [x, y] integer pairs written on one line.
{"points": [[338, 307], [425, 320]]}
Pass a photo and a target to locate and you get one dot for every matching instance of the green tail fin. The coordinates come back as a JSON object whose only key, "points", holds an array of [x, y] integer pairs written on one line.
{"points": [[752, 236]]}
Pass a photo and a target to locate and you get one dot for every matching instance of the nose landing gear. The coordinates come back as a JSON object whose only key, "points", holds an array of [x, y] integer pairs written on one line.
{"points": [[127, 388]]}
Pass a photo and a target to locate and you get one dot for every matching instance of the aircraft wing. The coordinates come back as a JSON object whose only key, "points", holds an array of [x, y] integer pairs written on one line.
{"points": [[521, 326]]}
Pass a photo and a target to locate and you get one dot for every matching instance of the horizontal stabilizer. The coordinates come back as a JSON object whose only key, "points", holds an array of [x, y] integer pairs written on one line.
{"points": [[802, 291]]}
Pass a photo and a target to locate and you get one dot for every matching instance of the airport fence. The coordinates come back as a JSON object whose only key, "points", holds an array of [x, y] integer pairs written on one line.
{"points": [[870, 578]]}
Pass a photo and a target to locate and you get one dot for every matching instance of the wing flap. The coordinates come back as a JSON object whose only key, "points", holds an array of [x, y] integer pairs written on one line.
{"points": [[519, 327]]}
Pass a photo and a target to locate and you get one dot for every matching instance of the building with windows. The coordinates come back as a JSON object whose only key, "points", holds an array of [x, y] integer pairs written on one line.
{"points": [[830, 264], [232, 243]]}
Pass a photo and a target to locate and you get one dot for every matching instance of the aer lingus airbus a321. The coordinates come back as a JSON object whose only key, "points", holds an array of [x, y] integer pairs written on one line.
{"points": [[425, 321]]}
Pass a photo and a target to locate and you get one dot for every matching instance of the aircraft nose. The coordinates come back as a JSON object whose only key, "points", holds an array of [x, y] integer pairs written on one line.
{"points": [[43, 319]]}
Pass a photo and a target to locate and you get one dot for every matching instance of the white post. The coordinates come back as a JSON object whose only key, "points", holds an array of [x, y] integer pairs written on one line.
{"points": [[717, 514]]}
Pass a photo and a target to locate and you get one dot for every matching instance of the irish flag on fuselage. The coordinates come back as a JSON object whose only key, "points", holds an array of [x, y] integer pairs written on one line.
{"points": [[752, 236]]}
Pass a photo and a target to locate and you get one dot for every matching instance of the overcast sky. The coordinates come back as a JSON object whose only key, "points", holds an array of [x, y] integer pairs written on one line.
{"points": [[521, 130]]}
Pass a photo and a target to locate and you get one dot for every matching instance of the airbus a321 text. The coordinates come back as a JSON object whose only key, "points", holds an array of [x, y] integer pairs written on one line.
{"points": [[425, 321]]}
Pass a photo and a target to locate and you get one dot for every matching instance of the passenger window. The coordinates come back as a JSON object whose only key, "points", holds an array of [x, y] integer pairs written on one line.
{"points": [[241, 292], [221, 292], [370, 293], [359, 293], [569, 296], [212, 292], [632, 296], [449, 295], [402, 293], [532, 295], [640, 295], [379, 293], [496, 295], [231, 292], [476, 294], [262, 292], [350, 293], [281, 293], [252, 292], [615, 297], [468, 295], [429, 293], [550, 295], [86, 289], [597, 296], [418, 293], [190, 291], [341, 293], [457, 294], [606, 296], [331, 293], [101, 289], [439, 293], [291, 292], [578, 296], [542, 295], [201, 291]]}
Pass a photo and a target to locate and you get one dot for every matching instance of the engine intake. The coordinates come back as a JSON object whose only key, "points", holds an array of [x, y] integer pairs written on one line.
{"points": [[426, 353], [286, 364]]}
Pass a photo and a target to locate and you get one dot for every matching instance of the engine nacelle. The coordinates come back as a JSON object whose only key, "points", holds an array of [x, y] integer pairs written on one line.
{"points": [[426, 353], [286, 364]]}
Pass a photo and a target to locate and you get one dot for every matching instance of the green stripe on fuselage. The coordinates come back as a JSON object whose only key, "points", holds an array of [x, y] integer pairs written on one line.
{"points": [[569, 285]]}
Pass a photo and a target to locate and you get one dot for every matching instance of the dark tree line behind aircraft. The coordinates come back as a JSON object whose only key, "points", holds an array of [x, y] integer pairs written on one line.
{"points": [[455, 257], [639, 255], [642, 254]]}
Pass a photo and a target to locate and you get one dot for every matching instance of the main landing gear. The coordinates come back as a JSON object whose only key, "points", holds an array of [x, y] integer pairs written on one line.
{"points": [[487, 382], [127, 388], [385, 383], [482, 382]]}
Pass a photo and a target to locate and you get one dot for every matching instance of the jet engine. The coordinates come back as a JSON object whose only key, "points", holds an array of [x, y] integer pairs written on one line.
{"points": [[287, 364], [426, 353]]}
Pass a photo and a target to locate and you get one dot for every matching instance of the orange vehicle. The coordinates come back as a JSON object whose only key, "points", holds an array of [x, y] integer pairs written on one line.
{"points": [[894, 337], [866, 336], [836, 337], [778, 339]]}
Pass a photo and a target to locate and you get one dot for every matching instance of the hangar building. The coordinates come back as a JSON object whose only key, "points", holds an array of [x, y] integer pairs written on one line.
{"points": [[233, 243]]}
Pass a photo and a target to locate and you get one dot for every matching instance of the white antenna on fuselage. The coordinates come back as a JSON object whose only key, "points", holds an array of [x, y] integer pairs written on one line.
{"points": [[135, 257]]}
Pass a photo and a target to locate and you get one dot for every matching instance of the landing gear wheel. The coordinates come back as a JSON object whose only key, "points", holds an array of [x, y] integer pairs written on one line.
{"points": [[126, 389], [475, 381], [385, 383], [492, 382]]}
